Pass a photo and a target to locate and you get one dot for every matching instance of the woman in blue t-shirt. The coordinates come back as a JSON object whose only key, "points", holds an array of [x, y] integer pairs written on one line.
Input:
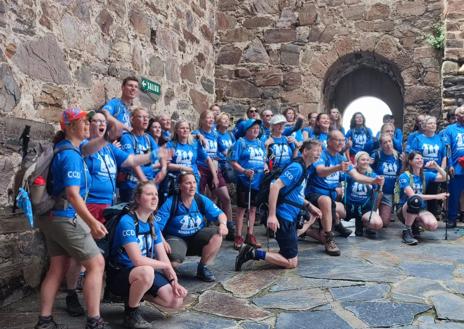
{"points": [[359, 137], [413, 211], [280, 149], [70, 228], [139, 266], [321, 129], [362, 199], [248, 158], [225, 140], [386, 162]]}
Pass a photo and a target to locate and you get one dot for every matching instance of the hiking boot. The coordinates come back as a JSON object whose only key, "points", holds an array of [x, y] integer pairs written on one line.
{"points": [[370, 234], [245, 254], [251, 240], [359, 228], [451, 225], [342, 230], [408, 237], [330, 246], [205, 274], [416, 231], [231, 228], [238, 242], [73, 306], [134, 320], [47, 323], [96, 323]]}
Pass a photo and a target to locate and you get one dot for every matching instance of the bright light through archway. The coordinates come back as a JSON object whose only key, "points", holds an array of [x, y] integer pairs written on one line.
{"points": [[373, 110]]}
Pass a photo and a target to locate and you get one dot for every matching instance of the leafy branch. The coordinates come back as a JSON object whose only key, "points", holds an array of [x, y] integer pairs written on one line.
{"points": [[437, 38]]}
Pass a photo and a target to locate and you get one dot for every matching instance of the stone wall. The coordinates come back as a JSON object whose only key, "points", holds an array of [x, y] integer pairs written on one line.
{"points": [[279, 53], [453, 64], [57, 53]]}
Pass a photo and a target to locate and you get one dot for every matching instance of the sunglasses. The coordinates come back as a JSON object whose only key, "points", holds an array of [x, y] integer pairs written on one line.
{"points": [[252, 111]]}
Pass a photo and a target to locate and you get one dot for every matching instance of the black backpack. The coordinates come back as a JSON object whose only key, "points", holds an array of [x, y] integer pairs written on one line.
{"points": [[175, 204]]}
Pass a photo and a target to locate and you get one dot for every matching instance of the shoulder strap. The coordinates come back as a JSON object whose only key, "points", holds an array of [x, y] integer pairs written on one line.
{"points": [[173, 211], [200, 204], [298, 183]]}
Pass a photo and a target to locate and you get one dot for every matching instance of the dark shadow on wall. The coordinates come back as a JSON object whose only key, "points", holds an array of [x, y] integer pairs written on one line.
{"points": [[364, 74]]}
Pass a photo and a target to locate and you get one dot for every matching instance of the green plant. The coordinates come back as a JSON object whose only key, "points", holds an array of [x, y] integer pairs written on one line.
{"points": [[437, 38]]}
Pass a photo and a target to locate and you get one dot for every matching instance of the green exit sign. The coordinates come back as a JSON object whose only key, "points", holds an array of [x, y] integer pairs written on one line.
{"points": [[150, 86]]}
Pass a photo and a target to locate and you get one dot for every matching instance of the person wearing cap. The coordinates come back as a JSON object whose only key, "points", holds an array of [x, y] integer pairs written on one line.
{"points": [[117, 110], [453, 136], [413, 184], [279, 148], [248, 158], [70, 228]]}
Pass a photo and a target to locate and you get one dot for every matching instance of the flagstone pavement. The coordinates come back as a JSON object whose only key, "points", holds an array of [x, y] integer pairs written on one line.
{"points": [[379, 283]]}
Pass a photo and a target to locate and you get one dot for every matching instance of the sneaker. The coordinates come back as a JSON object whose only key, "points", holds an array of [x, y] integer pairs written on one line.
{"points": [[96, 323], [245, 254], [73, 306], [330, 246], [134, 320], [251, 240], [48, 324], [231, 228], [342, 230], [416, 231], [408, 237], [205, 274], [371, 234], [238, 242]]}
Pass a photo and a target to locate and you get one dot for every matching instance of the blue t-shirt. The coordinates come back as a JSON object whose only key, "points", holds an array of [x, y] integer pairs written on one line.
{"points": [[211, 147], [225, 141], [359, 194], [417, 186], [281, 152], [186, 222], [410, 140], [454, 137], [289, 177], [326, 185], [362, 139], [142, 144], [187, 155], [431, 148], [68, 169], [103, 167], [118, 110], [166, 134], [321, 137], [125, 233], [266, 132], [388, 166], [250, 154]]}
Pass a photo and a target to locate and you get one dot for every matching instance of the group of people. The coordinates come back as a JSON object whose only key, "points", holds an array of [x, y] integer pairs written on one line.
{"points": [[177, 182]]}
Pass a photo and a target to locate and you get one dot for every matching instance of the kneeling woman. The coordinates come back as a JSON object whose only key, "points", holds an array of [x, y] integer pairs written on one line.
{"points": [[412, 184], [361, 200], [136, 257], [183, 217]]}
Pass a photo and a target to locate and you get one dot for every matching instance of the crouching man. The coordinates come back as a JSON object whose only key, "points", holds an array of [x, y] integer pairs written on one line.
{"points": [[286, 206]]}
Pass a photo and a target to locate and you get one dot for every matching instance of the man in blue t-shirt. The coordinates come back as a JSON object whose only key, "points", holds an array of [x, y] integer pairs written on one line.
{"points": [[453, 136], [117, 110], [322, 188], [286, 202]]}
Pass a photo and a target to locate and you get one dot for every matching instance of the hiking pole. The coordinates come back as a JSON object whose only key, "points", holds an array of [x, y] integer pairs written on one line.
{"points": [[376, 194], [249, 203], [445, 204]]}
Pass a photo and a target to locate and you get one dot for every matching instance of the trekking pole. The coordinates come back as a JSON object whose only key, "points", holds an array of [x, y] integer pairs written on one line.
{"points": [[375, 198], [445, 204], [249, 203]]}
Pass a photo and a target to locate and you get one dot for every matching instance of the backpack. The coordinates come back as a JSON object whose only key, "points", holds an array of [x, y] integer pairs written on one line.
{"points": [[397, 190], [262, 198], [41, 198]]}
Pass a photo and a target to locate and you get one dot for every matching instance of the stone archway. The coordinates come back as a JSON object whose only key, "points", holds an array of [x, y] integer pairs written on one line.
{"points": [[364, 74]]}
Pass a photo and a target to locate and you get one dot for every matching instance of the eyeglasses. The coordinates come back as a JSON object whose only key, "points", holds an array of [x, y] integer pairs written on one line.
{"points": [[268, 115], [252, 111], [100, 122]]}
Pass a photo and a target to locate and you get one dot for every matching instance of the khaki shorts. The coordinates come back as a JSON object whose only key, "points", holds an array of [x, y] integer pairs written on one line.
{"points": [[189, 246], [68, 237]]}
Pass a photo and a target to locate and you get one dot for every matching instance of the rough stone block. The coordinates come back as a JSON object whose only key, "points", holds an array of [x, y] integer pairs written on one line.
{"points": [[105, 20], [255, 53], [229, 55], [224, 21], [290, 54], [236, 35], [257, 22], [10, 93], [378, 11], [140, 21], [187, 72], [292, 80], [242, 89], [268, 78], [307, 15], [265, 7], [406, 9], [355, 12], [279, 35], [287, 18]]}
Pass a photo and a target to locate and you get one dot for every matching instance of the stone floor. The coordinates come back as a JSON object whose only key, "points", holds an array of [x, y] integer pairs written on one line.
{"points": [[378, 283]]}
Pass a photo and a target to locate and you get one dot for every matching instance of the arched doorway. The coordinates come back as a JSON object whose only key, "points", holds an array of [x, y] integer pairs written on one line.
{"points": [[365, 74]]}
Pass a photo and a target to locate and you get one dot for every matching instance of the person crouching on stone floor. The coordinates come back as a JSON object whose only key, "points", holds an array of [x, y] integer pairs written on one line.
{"points": [[362, 199], [69, 227], [183, 218], [322, 185], [285, 206], [413, 183], [139, 266]]}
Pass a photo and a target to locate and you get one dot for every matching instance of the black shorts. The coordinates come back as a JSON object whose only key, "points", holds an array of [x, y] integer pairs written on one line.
{"points": [[313, 197], [357, 211], [189, 246], [118, 281], [287, 239], [242, 196]]}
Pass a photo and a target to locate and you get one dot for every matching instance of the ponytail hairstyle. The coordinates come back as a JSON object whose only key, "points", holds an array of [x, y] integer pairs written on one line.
{"points": [[317, 128], [383, 136], [410, 158], [360, 154], [134, 205]]}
